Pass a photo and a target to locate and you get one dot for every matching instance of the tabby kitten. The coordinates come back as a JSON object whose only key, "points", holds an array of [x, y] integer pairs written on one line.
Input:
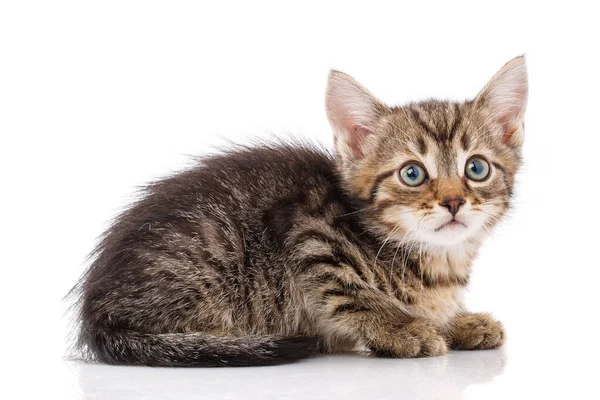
{"points": [[265, 255]]}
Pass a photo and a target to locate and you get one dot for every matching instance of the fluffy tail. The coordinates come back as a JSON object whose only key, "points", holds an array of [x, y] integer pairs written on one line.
{"points": [[195, 349]]}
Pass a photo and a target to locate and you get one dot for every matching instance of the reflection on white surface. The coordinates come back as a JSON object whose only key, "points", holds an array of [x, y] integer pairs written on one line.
{"points": [[341, 376]]}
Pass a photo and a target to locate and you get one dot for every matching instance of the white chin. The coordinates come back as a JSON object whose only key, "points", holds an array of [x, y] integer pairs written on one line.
{"points": [[448, 236]]}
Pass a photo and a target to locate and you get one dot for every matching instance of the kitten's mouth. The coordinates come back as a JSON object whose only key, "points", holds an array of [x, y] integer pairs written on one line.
{"points": [[452, 225]]}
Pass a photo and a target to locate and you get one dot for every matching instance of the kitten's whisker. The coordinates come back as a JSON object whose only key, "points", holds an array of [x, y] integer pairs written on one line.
{"points": [[493, 215], [385, 241], [401, 243], [351, 213], [407, 211], [421, 264], [411, 242], [393, 260], [413, 209]]}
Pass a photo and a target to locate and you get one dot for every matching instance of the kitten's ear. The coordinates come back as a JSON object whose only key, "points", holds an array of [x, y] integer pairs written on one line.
{"points": [[353, 113], [505, 98]]}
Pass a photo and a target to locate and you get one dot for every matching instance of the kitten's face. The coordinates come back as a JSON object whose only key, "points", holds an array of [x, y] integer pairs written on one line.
{"points": [[438, 174], [435, 173]]}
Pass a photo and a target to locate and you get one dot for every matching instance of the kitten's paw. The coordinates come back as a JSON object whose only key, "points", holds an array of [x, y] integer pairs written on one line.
{"points": [[418, 338], [476, 332]]}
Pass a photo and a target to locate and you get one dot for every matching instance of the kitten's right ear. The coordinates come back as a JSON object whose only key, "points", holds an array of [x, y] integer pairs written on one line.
{"points": [[505, 98], [353, 114]]}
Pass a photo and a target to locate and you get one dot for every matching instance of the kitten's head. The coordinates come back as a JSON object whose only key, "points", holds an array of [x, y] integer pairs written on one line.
{"points": [[434, 172]]}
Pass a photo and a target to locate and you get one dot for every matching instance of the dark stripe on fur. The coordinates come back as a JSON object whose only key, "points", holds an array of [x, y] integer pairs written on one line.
{"points": [[431, 282], [457, 120], [380, 178], [335, 292], [422, 145], [350, 308], [431, 132], [465, 141], [332, 278]]}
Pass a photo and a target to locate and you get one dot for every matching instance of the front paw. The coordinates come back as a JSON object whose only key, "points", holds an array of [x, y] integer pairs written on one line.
{"points": [[476, 332], [417, 338]]}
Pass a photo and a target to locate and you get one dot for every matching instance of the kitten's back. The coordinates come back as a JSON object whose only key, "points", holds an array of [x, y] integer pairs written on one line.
{"points": [[195, 257]]}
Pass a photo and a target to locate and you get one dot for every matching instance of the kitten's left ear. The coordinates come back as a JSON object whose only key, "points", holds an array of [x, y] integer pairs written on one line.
{"points": [[505, 98], [354, 115]]}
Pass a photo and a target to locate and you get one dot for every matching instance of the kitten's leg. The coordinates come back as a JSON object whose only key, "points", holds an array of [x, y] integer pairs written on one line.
{"points": [[474, 332], [378, 321]]}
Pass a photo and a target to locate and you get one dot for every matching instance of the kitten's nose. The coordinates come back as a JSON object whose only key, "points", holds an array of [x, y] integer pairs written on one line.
{"points": [[453, 204]]}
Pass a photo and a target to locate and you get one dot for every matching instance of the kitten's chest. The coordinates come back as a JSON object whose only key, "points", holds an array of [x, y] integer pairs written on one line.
{"points": [[439, 304], [434, 289]]}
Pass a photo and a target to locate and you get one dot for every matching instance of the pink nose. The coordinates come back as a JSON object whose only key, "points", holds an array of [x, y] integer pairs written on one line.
{"points": [[453, 204]]}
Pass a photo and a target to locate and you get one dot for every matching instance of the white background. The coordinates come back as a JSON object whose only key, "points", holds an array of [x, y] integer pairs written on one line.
{"points": [[97, 98]]}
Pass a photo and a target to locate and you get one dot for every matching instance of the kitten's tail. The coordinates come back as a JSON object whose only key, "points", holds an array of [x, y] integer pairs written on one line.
{"points": [[195, 349]]}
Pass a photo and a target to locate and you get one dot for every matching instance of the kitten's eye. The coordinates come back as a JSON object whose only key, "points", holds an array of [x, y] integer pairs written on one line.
{"points": [[477, 169], [413, 174]]}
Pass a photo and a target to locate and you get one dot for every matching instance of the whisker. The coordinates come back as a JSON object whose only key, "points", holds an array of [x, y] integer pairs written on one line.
{"points": [[393, 260], [385, 241], [421, 264], [490, 214], [412, 209], [411, 243], [351, 213]]}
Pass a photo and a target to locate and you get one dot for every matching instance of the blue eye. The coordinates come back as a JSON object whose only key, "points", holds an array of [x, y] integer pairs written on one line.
{"points": [[477, 169], [413, 174]]}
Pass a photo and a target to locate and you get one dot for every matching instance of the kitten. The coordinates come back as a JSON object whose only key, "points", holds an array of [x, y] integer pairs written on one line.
{"points": [[265, 255]]}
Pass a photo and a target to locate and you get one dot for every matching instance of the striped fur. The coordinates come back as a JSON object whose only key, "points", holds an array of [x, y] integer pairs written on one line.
{"points": [[265, 255]]}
